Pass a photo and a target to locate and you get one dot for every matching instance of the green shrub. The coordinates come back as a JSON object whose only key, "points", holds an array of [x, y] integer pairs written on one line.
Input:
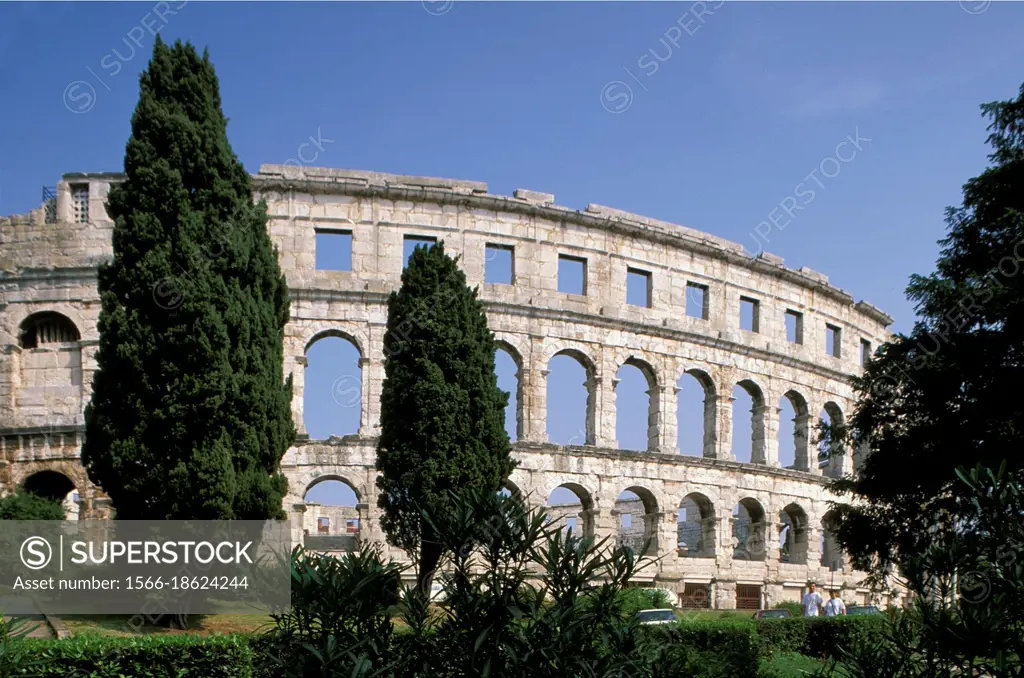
{"points": [[634, 599], [783, 635], [165, 656], [818, 636], [23, 505], [793, 606], [704, 649]]}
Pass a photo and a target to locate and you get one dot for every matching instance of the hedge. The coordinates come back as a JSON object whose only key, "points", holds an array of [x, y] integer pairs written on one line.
{"points": [[707, 649], [171, 656], [818, 636]]}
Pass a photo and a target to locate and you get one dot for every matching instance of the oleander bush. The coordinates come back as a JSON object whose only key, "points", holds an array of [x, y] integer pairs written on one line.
{"points": [[818, 637]]}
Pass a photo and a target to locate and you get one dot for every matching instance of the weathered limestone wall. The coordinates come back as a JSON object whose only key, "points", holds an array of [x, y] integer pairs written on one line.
{"points": [[51, 267]]}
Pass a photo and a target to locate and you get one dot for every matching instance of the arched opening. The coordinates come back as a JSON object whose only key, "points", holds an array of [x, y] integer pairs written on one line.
{"points": [[830, 452], [570, 399], [748, 413], [748, 530], [695, 414], [331, 519], [56, 487], [695, 522], [636, 512], [831, 552], [47, 328], [333, 390], [636, 407], [507, 368], [793, 431], [793, 535], [570, 508]]}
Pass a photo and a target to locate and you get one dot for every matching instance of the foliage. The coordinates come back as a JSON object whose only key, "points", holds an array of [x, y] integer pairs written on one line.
{"points": [[794, 607], [24, 505], [442, 413], [709, 649], [169, 656], [340, 615], [15, 657], [634, 599], [968, 612], [190, 414], [939, 397]]}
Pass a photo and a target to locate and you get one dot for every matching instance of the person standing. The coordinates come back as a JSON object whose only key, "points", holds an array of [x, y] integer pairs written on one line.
{"points": [[812, 601], [835, 606]]}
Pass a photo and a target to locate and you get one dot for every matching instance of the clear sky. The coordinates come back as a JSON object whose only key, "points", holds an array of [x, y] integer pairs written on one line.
{"points": [[710, 121]]}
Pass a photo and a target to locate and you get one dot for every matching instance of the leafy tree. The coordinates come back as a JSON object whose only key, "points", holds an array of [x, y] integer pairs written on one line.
{"points": [[944, 395], [442, 413], [24, 505], [190, 414]]}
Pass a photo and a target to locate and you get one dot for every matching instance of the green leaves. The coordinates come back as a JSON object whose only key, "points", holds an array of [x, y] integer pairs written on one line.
{"points": [[190, 413]]}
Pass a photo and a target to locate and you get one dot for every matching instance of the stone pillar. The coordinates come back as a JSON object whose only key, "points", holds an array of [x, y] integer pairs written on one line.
{"points": [[723, 428], [759, 427], [771, 437], [710, 543], [806, 457], [725, 595], [298, 389], [723, 541], [670, 420], [811, 547], [601, 412], [373, 378], [667, 534], [369, 527], [599, 524], [298, 516], [535, 405], [364, 398]]}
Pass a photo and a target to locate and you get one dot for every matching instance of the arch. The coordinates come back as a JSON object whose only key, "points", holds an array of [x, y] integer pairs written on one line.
{"points": [[794, 428], [571, 412], [695, 413], [793, 535], [575, 516], [695, 526], [45, 328], [637, 526], [830, 452], [332, 508], [333, 385], [55, 486], [509, 371], [636, 400], [333, 332], [748, 530], [746, 390], [321, 481]]}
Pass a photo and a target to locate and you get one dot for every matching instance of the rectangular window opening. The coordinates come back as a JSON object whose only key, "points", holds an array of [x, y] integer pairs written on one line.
{"points": [[697, 297], [750, 312], [638, 287], [80, 203], [833, 341], [626, 520], [865, 352], [333, 250], [794, 327], [499, 264], [572, 274], [411, 242]]}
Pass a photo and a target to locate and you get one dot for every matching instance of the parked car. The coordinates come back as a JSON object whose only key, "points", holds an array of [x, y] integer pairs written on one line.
{"points": [[862, 609], [772, 614], [662, 616]]}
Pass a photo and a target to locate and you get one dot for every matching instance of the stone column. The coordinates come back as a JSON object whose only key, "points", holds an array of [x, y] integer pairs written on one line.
{"points": [[601, 524], [601, 411], [771, 437], [723, 428], [806, 457], [298, 516], [364, 397], [298, 389], [373, 378], [667, 534], [534, 376], [759, 428], [369, 527], [664, 425], [812, 548]]}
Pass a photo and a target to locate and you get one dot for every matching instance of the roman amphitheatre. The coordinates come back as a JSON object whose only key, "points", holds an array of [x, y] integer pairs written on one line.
{"points": [[689, 311]]}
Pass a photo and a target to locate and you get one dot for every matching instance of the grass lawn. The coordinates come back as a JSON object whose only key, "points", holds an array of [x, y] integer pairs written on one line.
{"points": [[790, 665], [118, 625]]}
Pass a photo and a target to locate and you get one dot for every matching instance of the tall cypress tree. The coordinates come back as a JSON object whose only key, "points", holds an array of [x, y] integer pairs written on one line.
{"points": [[442, 413], [190, 413]]}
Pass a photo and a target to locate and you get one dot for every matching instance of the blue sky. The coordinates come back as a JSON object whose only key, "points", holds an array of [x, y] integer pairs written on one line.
{"points": [[727, 113]]}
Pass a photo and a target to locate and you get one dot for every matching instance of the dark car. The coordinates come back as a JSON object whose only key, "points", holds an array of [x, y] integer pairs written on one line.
{"points": [[862, 609], [772, 614]]}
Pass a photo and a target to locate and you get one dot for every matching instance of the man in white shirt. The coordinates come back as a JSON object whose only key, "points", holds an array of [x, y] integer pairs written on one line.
{"points": [[812, 601], [835, 606]]}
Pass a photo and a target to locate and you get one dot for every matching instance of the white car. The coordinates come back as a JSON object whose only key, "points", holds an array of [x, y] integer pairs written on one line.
{"points": [[662, 616]]}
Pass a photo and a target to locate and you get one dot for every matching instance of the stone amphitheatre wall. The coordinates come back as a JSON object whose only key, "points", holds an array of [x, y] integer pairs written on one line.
{"points": [[735, 511]]}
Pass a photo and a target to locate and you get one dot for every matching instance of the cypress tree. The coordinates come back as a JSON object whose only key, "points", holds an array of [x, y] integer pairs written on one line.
{"points": [[190, 413], [442, 413]]}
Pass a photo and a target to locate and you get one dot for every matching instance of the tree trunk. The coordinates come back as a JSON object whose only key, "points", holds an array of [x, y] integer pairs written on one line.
{"points": [[430, 556]]}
